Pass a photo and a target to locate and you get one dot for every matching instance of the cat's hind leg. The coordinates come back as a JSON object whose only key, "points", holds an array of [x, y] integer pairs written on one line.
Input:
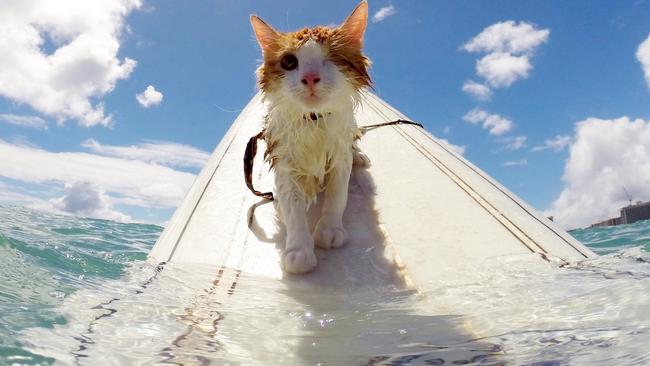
{"points": [[360, 159]]}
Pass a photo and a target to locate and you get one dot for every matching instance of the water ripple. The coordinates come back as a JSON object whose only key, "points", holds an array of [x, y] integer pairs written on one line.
{"points": [[77, 291]]}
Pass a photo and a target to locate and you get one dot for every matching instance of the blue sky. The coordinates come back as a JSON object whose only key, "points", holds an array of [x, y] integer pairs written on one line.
{"points": [[582, 85]]}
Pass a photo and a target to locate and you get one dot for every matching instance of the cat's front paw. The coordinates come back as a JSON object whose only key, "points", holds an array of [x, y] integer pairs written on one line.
{"points": [[298, 260], [329, 236]]}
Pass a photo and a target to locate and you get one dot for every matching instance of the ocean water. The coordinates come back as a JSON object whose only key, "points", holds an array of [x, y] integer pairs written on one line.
{"points": [[79, 291]]}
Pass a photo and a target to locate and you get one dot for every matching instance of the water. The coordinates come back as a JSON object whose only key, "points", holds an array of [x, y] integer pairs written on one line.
{"points": [[79, 291], [45, 258]]}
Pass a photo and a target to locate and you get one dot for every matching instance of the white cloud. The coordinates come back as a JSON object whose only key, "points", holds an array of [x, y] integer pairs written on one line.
{"points": [[643, 55], [25, 121], [87, 200], [11, 194], [557, 143], [496, 124], [502, 69], [509, 46], [606, 156], [516, 162], [60, 57], [383, 13], [514, 143], [476, 115], [150, 185], [154, 152], [478, 90], [508, 37], [150, 97], [458, 149]]}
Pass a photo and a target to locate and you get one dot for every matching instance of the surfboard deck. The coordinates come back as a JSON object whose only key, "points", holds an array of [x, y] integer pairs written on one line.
{"points": [[418, 216], [428, 206]]}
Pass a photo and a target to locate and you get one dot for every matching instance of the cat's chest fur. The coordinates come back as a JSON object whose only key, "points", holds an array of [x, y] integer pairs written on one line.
{"points": [[306, 150]]}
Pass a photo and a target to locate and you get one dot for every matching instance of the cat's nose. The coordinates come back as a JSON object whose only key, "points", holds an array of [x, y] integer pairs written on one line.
{"points": [[310, 80]]}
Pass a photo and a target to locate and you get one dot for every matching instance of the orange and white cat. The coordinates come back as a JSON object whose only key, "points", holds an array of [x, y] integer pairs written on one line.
{"points": [[311, 80]]}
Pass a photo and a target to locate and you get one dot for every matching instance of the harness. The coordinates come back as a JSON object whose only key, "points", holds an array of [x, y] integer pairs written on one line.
{"points": [[251, 151]]}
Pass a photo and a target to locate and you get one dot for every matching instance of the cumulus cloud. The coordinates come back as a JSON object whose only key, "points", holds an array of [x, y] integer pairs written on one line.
{"points": [[87, 200], [605, 156], [383, 13], [502, 69], [516, 162], [513, 143], [496, 124], [60, 58], [25, 121], [508, 37], [154, 152], [458, 149], [557, 143], [128, 181], [478, 90], [150, 97], [643, 55], [509, 46]]}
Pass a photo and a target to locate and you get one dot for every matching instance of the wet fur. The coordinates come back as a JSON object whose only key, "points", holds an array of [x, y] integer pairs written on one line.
{"points": [[307, 155]]}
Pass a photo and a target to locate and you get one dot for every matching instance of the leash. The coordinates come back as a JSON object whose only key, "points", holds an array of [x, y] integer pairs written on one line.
{"points": [[251, 151]]}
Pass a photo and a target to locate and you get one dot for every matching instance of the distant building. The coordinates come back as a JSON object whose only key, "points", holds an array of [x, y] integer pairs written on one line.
{"points": [[629, 214], [609, 222]]}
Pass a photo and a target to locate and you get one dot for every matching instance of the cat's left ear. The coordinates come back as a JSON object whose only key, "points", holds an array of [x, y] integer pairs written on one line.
{"points": [[355, 25]]}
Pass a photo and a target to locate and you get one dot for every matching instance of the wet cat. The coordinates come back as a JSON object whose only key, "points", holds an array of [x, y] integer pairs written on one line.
{"points": [[311, 80]]}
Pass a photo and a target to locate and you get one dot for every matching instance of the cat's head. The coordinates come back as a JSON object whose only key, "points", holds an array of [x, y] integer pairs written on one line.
{"points": [[314, 68]]}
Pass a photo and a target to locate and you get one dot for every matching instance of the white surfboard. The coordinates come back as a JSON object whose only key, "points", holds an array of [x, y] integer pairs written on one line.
{"points": [[422, 222], [419, 216], [428, 206]]}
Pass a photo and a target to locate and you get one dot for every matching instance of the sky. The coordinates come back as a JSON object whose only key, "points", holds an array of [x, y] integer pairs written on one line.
{"points": [[110, 108]]}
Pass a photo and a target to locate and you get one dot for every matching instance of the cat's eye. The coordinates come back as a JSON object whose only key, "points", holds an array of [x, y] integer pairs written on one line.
{"points": [[289, 62]]}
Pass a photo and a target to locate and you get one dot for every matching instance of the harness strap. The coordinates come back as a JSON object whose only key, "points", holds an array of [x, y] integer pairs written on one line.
{"points": [[249, 157], [251, 151], [367, 128]]}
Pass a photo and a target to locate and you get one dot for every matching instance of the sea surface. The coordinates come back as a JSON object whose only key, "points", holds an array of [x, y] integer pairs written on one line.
{"points": [[80, 291]]}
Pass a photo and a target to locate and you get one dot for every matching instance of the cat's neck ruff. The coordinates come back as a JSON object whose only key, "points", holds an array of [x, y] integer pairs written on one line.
{"points": [[307, 149], [289, 109], [289, 120]]}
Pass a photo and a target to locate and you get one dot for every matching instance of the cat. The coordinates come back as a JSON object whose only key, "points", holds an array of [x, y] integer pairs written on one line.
{"points": [[312, 80]]}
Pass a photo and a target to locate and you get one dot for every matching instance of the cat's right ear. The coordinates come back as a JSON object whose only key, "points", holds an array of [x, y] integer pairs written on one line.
{"points": [[264, 33]]}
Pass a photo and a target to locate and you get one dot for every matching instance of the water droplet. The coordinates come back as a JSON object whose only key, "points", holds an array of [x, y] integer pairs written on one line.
{"points": [[57, 294]]}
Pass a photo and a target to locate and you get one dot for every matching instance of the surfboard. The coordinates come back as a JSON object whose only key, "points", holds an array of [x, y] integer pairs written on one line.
{"points": [[425, 226], [430, 206], [420, 215]]}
